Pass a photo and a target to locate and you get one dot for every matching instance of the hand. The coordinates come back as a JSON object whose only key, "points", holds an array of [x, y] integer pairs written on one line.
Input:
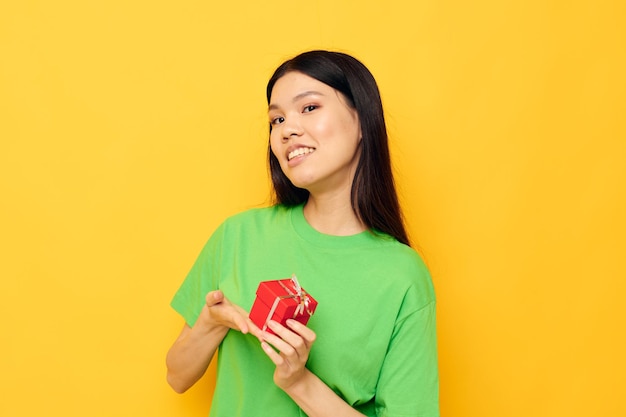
{"points": [[219, 311], [293, 344]]}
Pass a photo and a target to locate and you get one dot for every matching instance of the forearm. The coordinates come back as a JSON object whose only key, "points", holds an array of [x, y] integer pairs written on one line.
{"points": [[191, 354], [316, 399]]}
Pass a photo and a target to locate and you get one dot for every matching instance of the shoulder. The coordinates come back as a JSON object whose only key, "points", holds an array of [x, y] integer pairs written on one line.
{"points": [[253, 222], [400, 256], [407, 270], [257, 215]]}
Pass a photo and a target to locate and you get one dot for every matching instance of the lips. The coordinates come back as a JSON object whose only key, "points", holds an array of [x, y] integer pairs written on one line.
{"points": [[298, 151]]}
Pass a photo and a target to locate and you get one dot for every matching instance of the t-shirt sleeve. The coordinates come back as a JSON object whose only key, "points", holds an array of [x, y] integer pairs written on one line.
{"points": [[202, 278], [408, 385]]}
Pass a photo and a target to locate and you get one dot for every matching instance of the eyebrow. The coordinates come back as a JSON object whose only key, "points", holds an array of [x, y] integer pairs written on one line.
{"points": [[297, 97]]}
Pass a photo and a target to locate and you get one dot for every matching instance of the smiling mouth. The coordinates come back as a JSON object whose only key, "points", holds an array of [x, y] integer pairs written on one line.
{"points": [[299, 152]]}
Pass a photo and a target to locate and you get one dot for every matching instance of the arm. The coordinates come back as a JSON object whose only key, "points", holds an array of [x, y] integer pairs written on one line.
{"points": [[311, 394], [190, 355], [317, 400]]}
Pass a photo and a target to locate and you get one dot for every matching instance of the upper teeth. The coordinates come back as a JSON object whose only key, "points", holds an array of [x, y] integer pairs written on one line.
{"points": [[298, 152]]}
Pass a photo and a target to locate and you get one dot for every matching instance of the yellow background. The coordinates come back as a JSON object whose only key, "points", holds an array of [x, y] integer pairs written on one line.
{"points": [[130, 129]]}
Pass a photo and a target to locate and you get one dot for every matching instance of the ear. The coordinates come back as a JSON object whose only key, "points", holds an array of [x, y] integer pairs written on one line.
{"points": [[358, 120]]}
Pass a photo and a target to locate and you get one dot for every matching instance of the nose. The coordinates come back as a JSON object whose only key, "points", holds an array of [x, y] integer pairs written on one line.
{"points": [[291, 128]]}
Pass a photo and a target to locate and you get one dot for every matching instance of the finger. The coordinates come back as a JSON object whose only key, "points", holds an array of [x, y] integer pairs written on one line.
{"points": [[286, 334], [287, 342], [237, 320], [254, 330], [272, 354], [225, 312], [276, 339], [249, 324], [299, 343], [303, 331], [214, 297]]}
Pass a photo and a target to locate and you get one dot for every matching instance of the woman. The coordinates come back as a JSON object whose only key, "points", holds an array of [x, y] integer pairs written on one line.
{"points": [[370, 347]]}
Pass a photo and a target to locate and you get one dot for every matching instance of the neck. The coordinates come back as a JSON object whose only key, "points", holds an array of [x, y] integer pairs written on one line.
{"points": [[332, 215]]}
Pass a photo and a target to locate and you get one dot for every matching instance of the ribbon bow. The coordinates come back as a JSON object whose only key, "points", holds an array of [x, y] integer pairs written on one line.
{"points": [[302, 296]]}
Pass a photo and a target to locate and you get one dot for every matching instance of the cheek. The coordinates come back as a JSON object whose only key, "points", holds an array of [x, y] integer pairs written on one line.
{"points": [[337, 126], [277, 151], [274, 142], [323, 127]]}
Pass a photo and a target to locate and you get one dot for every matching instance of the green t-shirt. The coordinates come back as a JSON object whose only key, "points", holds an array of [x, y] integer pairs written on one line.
{"points": [[375, 321]]}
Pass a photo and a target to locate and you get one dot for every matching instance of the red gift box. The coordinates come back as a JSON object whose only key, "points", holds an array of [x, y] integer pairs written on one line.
{"points": [[280, 300]]}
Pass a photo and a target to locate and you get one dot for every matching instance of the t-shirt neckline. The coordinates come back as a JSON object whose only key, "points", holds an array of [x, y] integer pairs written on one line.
{"points": [[308, 233]]}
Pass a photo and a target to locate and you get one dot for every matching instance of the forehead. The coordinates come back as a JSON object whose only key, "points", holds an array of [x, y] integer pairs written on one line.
{"points": [[293, 84]]}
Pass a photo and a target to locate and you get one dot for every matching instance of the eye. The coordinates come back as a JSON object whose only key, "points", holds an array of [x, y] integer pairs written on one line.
{"points": [[277, 120], [309, 108]]}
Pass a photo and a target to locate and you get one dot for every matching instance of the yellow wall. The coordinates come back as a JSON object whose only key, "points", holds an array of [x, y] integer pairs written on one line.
{"points": [[129, 130]]}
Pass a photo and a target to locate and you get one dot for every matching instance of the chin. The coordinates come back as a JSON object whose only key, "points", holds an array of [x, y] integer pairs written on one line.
{"points": [[301, 182]]}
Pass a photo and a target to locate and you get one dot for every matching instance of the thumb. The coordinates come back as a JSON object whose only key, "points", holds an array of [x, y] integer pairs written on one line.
{"points": [[214, 297]]}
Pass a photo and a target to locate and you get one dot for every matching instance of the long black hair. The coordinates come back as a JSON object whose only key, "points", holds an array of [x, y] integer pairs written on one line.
{"points": [[373, 196]]}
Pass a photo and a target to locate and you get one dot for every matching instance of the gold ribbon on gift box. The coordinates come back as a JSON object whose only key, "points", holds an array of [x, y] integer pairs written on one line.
{"points": [[302, 295]]}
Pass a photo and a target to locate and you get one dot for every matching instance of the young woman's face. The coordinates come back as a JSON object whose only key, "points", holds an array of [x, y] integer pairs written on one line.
{"points": [[315, 134]]}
